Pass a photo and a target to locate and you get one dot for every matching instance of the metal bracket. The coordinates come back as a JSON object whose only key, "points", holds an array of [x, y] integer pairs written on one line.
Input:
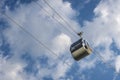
{"points": [[80, 34]]}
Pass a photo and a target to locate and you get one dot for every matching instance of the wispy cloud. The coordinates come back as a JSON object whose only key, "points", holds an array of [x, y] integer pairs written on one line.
{"points": [[117, 64]]}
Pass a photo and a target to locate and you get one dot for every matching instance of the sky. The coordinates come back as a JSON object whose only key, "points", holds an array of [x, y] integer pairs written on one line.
{"points": [[35, 39]]}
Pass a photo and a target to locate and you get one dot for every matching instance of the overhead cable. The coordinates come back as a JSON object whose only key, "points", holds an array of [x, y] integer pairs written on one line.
{"points": [[69, 25], [47, 13]]}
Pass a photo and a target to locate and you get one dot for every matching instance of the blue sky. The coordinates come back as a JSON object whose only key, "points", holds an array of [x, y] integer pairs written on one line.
{"points": [[23, 58], [85, 7]]}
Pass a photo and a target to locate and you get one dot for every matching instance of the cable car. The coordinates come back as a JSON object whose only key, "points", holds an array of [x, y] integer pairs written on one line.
{"points": [[80, 49]]}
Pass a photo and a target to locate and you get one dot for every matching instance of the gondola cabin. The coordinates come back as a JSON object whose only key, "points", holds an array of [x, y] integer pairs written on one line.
{"points": [[80, 49]]}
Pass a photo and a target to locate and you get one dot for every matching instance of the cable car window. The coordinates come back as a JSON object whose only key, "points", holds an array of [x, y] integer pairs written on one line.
{"points": [[86, 44], [76, 45]]}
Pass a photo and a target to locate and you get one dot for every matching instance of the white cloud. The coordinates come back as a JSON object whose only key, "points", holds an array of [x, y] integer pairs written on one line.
{"points": [[45, 29], [1, 41], [104, 29], [117, 64], [61, 43], [61, 70], [66, 9], [87, 64], [9, 70]]}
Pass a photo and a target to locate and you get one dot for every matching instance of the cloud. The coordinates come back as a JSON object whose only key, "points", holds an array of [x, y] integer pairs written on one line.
{"points": [[117, 64], [105, 26], [63, 41], [1, 41], [61, 70], [40, 24], [10, 70], [88, 64], [104, 29]]}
